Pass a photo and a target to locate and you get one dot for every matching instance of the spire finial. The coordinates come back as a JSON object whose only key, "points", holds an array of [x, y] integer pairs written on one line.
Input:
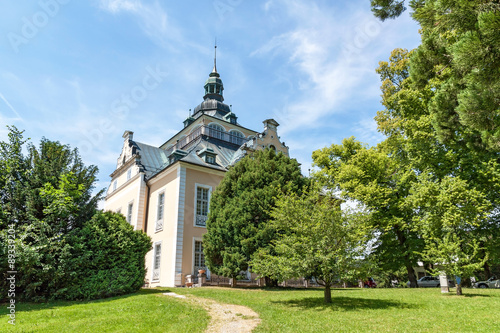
{"points": [[215, 56]]}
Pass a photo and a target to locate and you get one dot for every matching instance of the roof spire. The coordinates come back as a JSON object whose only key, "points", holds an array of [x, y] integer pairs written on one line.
{"points": [[215, 57]]}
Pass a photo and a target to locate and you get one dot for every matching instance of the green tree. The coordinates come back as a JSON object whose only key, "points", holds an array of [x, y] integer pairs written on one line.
{"points": [[449, 213], [371, 177], [51, 165], [316, 239], [460, 58], [238, 221], [414, 144], [65, 248]]}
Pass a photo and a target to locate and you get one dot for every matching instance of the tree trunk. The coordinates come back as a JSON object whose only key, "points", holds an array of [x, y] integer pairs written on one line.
{"points": [[411, 273], [271, 282], [328, 294], [487, 270], [409, 267], [233, 282], [459, 289]]}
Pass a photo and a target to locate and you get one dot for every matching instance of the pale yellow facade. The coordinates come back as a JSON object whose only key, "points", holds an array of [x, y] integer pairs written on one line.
{"points": [[165, 191]]}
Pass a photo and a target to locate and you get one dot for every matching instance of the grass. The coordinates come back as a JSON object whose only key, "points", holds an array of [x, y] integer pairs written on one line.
{"points": [[145, 311], [365, 310], [281, 310]]}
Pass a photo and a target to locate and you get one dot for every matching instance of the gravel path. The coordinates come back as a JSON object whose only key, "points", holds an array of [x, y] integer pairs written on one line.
{"points": [[225, 318]]}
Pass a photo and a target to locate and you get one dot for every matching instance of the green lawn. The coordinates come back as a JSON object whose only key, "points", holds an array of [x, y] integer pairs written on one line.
{"points": [[146, 311], [281, 310], [366, 310]]}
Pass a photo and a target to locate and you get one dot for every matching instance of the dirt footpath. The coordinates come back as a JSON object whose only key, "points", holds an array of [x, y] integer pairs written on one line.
{"points": [[225, 318]]}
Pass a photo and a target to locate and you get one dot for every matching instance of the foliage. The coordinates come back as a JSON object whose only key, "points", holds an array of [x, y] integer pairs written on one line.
{"points": [[316, 239], [48, 168], [449, 214], [459, 59], [384, 9], [238, 222], [414, 144], [107, 258], [65, 248], [371, 177]]}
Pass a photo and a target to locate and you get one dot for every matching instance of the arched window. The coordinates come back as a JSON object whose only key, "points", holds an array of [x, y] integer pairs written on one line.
{"points": [[236, 137], [272, 147], [216, 131]]}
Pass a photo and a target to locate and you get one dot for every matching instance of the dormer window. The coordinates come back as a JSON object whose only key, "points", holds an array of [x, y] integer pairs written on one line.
{"points": [[208, 155]]}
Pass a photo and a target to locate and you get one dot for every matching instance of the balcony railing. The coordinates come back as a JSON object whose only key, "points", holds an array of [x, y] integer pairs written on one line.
{"points": [[156, 274], [186, 141], [201, 220]]}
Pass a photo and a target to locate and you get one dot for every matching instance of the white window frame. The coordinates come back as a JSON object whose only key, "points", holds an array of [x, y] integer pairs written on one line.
{"points": [[235, 136], [115, 185], [216, 130], [209, 188], [198, 239], [210, 159], [155, 272], [129, 174], [159, 219], [130, 212]]}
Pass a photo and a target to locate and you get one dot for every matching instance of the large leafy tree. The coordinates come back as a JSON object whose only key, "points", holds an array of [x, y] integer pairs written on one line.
{"points": [[449, 213], [64, 247], [415, 144], [238, 222], [25, 179], [370, 177], [460, 58], [316, 239]]}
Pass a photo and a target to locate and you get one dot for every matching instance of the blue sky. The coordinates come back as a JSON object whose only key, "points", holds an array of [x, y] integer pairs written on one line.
{"points": [[68, 69]]}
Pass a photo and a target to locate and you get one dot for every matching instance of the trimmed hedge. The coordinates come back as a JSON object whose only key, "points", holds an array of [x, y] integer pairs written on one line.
{"points": [[103, 258]]}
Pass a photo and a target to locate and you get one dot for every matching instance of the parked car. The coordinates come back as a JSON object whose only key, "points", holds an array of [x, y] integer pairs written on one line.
{"points": [[431, 281], [427, 281], [492, 282], [369, 283]]}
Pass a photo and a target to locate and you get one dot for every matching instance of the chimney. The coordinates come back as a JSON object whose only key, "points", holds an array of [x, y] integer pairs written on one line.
{"points": [[128, 135]]}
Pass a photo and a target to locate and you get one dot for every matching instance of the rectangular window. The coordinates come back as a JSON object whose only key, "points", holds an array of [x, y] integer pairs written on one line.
{"points": [[129, 212], [115, 183], [156, 262], [129, 174], [211, 159], [199, 257], [159, 213], [202, 200]]}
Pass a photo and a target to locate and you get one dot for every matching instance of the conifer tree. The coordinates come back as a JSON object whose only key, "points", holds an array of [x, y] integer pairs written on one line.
{"points": [[238, 221]]}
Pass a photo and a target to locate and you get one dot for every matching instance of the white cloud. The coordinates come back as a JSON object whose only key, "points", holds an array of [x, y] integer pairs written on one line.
{"points": [[12, 114], [330, 57], [366, 131], [151, 17], [116, 6]]}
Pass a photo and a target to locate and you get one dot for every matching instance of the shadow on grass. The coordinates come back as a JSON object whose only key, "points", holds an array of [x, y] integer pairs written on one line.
{"points": [[344, 303], [23, 306], [305, 289], [454, 294]]}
